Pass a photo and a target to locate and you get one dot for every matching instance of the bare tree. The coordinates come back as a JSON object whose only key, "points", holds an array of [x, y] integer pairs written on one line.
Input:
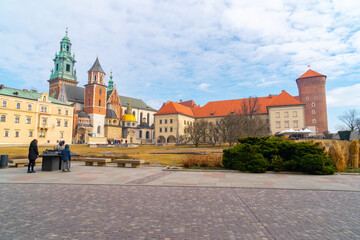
{"points": [[213, 134], [250, 106], [196, 131], [350, 119]]}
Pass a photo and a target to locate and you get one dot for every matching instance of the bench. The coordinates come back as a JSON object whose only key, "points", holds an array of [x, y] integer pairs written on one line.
{"points": [[100, 161], [22, 162], [127, 162]]}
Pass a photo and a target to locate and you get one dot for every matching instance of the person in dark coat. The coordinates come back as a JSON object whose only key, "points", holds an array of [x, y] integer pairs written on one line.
{"points": [[33, 154], [66, 158]]}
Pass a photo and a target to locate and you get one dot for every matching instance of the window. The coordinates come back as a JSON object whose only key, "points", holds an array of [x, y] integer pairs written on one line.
{"points": [[286, 114], [3, 118], [184, 122], [57, 66], [165, 121], [134, 113], [66, 112], [313, 111], [58, 123], [61, 134], [313, 104], [99, 129], [28, 120], [277, 115], [4, 103], [188, 123], [295, 123], [307, 98], [160, 129], [65, 123], [294, 113], [314, 120], [18, 105], [171, 121], [140, 134], [41, 134], [278, 124], [17, 119], [286, 124], [171, 129], [29, 107], [68, 67], [114, 122], [30, 133], [67, 48], [6, 133], [59, 111], [316, 97], [95, 78], [16, 133], [165, 129], [43, 109], [160, 121], [100, 81], [99, 103], [44, 121]]}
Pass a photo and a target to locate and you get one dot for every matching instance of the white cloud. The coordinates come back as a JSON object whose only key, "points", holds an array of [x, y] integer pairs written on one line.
{"points": [[344, 96], [204, 86]]}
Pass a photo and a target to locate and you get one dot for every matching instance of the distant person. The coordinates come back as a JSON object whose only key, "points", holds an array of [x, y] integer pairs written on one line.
{"points": [[60, 146], [126, 141], [33, 154], [65, 158]]}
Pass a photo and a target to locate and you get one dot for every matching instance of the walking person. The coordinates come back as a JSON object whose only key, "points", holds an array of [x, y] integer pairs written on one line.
{"points": [[33, 154], [66, 158]]}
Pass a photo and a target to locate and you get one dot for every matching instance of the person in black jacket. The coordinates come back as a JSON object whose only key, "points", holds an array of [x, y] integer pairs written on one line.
{"points": [[33, 154]]}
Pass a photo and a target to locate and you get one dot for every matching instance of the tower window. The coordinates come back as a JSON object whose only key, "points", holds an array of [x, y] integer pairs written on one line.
{"points": [[95, 78], [314, 120], [316, 97], [307, 98], [101, 79], [68, 67], [67, 48], [57, 66], [99, 103], [313, 111], [313, 104]]}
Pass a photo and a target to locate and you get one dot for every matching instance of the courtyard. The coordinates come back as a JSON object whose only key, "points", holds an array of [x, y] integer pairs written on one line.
{"points": [[149, 203]]}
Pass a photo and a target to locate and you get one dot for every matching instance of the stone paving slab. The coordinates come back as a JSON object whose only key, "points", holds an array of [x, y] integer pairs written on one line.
{"points": [[145, 175], [73, 211]]}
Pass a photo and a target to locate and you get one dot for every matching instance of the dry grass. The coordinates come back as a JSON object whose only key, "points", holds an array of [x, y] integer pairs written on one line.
{"points": [[337, 155], [207, 160], [143, 152]]}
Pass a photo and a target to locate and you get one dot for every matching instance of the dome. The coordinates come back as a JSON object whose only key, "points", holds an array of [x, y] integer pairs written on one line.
{"points": [[128, 118]]}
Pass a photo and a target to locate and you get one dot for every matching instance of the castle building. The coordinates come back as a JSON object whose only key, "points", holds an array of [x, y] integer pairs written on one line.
{"points": [[98, 109], [25, 115], [281, 111]]}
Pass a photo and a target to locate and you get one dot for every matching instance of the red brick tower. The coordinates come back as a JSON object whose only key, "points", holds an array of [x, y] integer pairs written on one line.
{"points": [[312, 92], [95, 98]]}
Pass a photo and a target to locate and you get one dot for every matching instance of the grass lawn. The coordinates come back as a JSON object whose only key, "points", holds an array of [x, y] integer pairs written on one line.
{"points": [[144, 152]]}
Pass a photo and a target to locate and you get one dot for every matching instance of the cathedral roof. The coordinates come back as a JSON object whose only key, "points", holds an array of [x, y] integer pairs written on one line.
{"points": [[311, 73], [135, 103], [83, 114], [110, 113], [128, 118], [74, 93], [96, 67]]}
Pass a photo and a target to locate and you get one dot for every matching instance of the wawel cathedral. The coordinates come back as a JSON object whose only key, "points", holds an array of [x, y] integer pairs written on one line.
{"points": [[100, 113]]}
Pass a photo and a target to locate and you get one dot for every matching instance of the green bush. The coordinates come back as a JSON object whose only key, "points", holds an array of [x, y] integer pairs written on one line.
{"points": [[259, 154]]}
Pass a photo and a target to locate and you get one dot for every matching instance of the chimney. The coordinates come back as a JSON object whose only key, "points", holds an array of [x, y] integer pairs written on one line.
{"points": [[1, 86], [25, 90], [180, 100]]}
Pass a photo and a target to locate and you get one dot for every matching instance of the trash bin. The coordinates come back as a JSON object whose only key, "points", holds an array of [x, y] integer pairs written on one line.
{"points": [[4, 161]]}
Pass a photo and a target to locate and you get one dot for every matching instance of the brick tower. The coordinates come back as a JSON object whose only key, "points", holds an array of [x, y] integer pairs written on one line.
{"points": [[63, 71], [95, 98], [312, 92]]}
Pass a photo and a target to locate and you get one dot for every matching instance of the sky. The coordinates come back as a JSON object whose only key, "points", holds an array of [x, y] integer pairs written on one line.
{"points": [[204, 51]]}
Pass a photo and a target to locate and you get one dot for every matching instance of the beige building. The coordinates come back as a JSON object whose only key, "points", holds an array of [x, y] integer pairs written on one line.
{"points": [[281, 112], [25, 115]]}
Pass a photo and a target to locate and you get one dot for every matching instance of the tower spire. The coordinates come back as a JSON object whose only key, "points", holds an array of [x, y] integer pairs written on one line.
{"points": [[111, 83]]}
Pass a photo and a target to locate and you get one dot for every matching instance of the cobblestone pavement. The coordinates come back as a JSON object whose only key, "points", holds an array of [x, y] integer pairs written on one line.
{"points": [[70, 211]]}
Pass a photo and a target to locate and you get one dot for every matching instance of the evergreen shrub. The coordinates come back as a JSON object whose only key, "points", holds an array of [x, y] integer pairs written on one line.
{"points": [[259, 154]]}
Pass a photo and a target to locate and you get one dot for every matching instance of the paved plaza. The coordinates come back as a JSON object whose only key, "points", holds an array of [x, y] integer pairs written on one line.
{"points": [[148, 203]]}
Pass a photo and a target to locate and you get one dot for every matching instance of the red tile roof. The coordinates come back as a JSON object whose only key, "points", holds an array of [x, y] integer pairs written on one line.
{"points": [[284, 99], [311, 73], [173, 107], [228, 107], [189, 103]]}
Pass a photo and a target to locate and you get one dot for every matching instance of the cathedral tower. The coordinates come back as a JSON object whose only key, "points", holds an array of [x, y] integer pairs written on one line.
{"points": [[312, 92], [95, 98], [63, 71]]}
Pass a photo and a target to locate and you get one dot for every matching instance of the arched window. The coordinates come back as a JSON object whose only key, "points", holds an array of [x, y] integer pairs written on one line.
{"points": [[99, 103], [147, 134], [141, 117], [95, 78], [140, 134], [67, 48], [99, 129], [89, 77], [134, 113]]}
